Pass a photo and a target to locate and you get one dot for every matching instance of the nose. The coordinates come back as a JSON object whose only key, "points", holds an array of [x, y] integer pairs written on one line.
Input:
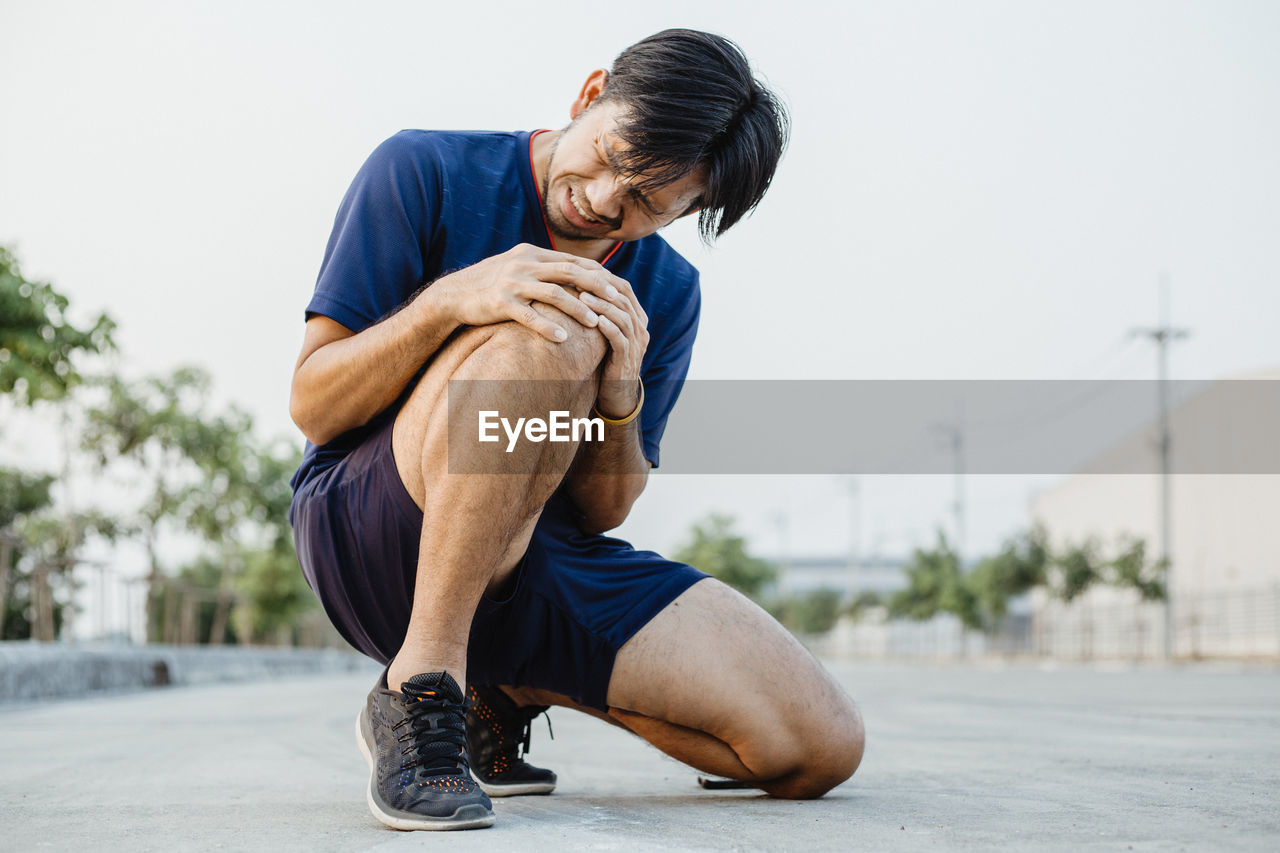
{"points": [[606, 194]]}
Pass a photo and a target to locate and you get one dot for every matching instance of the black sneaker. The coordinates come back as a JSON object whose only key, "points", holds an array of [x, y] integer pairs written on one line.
{"points": [[413, 739], [497, 737]]}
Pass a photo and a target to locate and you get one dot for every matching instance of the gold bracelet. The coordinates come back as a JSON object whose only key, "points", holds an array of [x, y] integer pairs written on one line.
{"points": [[629, 418]]}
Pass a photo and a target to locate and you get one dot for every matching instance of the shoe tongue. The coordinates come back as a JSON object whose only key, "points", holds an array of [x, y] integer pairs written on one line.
{"points": [[437, 682]]}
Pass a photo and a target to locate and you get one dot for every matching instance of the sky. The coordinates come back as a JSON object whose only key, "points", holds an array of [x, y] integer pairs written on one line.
{"points": [[973, 190]]}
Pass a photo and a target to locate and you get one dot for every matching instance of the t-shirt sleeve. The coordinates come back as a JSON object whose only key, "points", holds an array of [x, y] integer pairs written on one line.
{"points": [[665, 369], [374, 259]]}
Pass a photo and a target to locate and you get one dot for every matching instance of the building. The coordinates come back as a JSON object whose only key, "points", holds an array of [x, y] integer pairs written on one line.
{"points": [[1224, 531]]}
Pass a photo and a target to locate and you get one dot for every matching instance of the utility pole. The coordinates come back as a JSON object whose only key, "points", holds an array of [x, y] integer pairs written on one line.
{"points": [[1163, 335], [953, 436], [855, 534]]}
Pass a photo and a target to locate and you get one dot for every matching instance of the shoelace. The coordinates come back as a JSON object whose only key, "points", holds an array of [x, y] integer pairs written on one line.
{"points": [[527, 734], [437, 735]]}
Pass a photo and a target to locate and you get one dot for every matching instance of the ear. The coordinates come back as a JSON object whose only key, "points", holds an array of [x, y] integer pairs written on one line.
{"points": [[590, 91]]}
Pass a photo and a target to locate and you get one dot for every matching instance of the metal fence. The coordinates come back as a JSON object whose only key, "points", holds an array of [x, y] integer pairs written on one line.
{"points": [[94, 601], [100, 603], [1229, 624]]}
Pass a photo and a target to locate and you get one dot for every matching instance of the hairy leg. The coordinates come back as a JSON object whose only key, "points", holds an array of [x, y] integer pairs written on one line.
{"points": [[695, 748], [476, 526], [717, 683]]}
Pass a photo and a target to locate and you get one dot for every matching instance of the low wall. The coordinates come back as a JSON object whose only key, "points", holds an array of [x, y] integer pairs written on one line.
{"points": [[33, 671]]}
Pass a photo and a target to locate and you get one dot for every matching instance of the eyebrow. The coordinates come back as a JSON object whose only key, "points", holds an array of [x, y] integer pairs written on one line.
{"points": [[611, 156]]}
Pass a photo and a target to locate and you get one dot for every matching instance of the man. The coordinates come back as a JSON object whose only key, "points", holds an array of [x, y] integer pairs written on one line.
{"points": [[460, 259]]}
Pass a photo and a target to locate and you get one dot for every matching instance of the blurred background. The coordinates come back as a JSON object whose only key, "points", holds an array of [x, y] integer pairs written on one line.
{"points": [[987, 190]]}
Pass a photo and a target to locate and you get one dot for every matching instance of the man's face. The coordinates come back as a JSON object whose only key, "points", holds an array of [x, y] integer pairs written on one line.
{"points": [[586, 197]]}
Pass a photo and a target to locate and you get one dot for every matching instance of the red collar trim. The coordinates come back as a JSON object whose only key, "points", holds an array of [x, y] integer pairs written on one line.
{"points": [[542, 208]]}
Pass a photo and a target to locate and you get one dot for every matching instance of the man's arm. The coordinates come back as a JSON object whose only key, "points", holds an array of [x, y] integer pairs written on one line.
{"points": [[608, 476], [343, 378]]}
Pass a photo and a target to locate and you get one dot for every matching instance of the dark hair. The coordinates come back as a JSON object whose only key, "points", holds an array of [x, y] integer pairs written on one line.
{"points": [[692, 102]]}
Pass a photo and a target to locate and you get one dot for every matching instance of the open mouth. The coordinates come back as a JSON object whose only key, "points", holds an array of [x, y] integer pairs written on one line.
{"points": [[575, 214]]}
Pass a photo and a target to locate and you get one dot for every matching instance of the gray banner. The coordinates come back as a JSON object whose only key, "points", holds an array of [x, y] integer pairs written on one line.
{"points": [[913, 427]]}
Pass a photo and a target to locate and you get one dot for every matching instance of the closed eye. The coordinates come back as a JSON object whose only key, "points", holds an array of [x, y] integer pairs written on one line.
{"points": [[610, 157]]}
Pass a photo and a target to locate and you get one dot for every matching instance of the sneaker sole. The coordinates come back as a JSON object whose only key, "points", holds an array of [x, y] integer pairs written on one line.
{"points": [[467, 817], [518, 789]]}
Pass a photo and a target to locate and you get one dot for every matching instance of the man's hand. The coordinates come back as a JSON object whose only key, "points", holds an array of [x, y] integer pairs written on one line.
{"points": [[626, 327], [505, 286]]}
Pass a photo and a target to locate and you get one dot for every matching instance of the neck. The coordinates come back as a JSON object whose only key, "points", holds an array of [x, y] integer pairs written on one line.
{"points": [[540, 156]]}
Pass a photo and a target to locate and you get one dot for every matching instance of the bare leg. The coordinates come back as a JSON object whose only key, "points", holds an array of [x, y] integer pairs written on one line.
{"points": [[763, 711], [475, 527], [717, 683]]}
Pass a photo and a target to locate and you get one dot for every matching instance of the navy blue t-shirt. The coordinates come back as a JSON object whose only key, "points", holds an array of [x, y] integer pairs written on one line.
{"points": [[427, 203]]}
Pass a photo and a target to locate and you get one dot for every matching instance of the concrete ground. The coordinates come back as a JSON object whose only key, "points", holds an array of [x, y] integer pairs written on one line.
{"points": [[958, 758]]}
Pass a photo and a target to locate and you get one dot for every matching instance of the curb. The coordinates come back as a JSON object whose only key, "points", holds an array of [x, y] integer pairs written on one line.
{"points": [[32, 670]]}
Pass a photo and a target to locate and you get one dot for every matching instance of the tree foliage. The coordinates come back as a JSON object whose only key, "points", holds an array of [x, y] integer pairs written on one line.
{"points": [[202, 471], [1076, 568], [980, 598], [862, 603], [1018, 567], [812, 612], [935, 584], [1130, 568], [196, 470], [716, 549], [21, 494], [39, 346], [275, 591]]}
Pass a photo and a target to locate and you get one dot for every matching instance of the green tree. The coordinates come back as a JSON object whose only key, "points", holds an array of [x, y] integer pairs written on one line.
{"points": [[935, 584], [862, 602], [275, 592], [50, 549], [21, 495], [1020, 566], [1075, 568], [204, 472], [814, 612], [1130, 568], [716, 549], [220, 508], [40, 354], [245, 516], [1024, 562], [144, 429], [39, 346]]}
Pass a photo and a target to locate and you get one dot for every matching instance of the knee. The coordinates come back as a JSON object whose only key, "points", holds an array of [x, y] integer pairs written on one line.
{"points": [[825, 755], [524, 354]]}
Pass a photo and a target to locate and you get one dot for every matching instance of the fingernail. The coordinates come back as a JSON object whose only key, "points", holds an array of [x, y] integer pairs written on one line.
{"points": [[591, 315], [612, 291], [561, 334]]}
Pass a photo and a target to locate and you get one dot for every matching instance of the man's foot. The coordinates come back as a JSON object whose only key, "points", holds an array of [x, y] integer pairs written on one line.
{"points": [[414, 739], [497, 729]]}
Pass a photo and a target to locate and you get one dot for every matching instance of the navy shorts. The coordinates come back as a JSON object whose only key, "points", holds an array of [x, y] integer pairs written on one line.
{"points": [[577, 597]]}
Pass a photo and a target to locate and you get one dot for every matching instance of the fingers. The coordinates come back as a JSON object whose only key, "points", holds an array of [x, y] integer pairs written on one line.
{"points": [[599, 282], [618, 317], [523, 313], [570, 267], [618, 340], [560, 297], [587, 277]]}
